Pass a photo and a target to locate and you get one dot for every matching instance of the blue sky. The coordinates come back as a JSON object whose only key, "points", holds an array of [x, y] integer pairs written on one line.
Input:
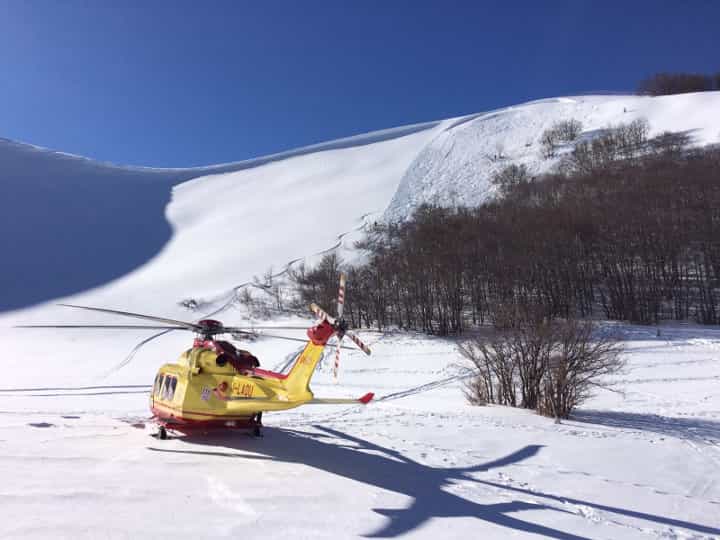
{"points": [[181, 83]]}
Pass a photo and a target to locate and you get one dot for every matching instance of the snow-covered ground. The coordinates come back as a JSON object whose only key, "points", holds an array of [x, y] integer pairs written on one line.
{"points": [[419, 462]]}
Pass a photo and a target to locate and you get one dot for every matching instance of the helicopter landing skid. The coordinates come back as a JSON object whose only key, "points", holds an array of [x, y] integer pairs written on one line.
{"points": [[164, 426]]}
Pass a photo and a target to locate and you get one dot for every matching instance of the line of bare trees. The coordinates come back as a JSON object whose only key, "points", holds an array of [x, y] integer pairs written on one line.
{"points": [[662, 84], [635, 239]]}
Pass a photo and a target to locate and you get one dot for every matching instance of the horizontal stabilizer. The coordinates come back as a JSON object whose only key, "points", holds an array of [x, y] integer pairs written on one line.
{"points": [[339, 401]]}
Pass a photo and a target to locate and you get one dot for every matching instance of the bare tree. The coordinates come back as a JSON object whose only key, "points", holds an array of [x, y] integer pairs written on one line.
{"points": [[662, 84], [563, 131], [551, 365], [509, 178], [581, 359], [319, 284], [548, 143], [568, 130]]}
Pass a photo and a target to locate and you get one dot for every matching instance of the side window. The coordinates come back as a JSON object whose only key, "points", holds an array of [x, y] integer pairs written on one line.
{"points": [[173, 385], [159, 385], [165, 388]]}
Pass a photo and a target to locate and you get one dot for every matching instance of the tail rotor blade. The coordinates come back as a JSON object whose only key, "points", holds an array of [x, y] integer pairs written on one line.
{"points": [[341, 296], [321, 313], [336, 366], [356, 340]]}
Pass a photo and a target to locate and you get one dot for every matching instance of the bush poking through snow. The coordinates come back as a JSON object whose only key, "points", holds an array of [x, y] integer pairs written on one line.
{"points": [[548, 366], [565, 131], [625, 141], [568, 130], [511, 178]]}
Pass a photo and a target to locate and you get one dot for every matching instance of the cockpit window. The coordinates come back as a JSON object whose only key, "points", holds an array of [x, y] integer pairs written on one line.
{"points": [[166, 388], [159, 385]]}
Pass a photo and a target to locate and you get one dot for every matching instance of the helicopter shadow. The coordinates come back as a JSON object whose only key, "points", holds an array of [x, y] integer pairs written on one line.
{"points": [[354, 458]]}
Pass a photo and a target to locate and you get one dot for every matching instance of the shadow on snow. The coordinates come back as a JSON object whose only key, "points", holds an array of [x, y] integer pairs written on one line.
{"points": [[693, 429], [360, 460]]}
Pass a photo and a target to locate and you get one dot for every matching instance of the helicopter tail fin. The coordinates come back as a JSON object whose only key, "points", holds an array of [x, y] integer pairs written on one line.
{"points": [[297, 381]]}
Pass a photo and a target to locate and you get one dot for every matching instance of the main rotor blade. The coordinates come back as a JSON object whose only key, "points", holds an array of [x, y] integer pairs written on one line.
{"points": [[283, 337], [110, 326], [189, 326], [356, 340], [292, 339], [135, 349], [232, 329]]}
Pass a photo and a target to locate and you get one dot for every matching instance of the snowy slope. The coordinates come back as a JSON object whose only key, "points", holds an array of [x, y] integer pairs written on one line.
{"points": [[233, 224], [456, 167], [419, 462], [78, 223]]}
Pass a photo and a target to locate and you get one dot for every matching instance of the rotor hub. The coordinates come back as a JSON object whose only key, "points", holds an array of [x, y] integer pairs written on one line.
{"points": [[341, 327], [210, 327]]}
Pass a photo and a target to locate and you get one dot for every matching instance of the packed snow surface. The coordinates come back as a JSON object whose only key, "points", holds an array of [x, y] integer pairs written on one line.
{"points": [[419, 462]]}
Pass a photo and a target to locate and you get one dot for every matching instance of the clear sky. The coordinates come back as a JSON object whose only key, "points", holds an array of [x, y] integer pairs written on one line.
{"points": [[181, 83]]}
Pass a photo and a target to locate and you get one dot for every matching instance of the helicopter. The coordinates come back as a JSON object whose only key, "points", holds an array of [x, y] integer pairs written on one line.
{"points": [[213, 385]]}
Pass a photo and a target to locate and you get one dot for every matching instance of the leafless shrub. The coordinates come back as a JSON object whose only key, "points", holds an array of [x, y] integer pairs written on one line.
{"points": [[510, 178], [565, 131], [624, 141], [189, 303], [254, 305], [551, 365], [581, 358], [549, 142], [497, 372], [670, 143], [272, 286], [568, 130]]}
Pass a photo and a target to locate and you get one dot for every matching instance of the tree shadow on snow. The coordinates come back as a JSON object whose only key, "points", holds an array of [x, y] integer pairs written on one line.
{"points": [[693, 429], [357, 459]]}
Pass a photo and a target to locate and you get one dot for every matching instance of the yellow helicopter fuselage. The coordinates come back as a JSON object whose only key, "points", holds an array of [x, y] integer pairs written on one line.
{"points": [[198, 391]]}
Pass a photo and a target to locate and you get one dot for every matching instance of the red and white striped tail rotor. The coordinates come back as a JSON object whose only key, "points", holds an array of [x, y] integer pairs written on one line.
{"points": [[356, 340], [336, 365], [341, 333], [341, 296], [340, 326], [321, 313]]}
